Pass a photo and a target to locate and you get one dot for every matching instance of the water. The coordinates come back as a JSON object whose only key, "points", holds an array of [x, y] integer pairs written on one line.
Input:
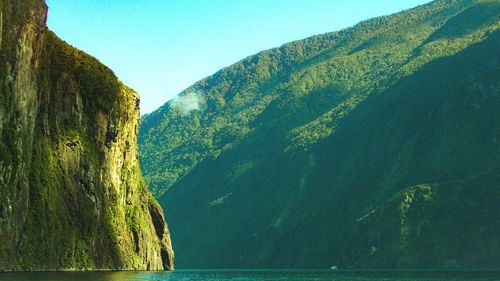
{"points": [[252, 275]]}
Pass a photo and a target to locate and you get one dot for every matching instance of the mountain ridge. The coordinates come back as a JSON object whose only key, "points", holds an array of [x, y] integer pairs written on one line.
{"points": [[293, 145]]}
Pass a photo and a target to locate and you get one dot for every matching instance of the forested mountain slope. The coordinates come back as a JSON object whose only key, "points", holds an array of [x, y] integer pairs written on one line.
{"points": [[376, 146]]}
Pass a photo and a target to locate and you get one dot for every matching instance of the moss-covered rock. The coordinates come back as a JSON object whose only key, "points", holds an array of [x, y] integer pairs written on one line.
{"points": [[71, 191]]}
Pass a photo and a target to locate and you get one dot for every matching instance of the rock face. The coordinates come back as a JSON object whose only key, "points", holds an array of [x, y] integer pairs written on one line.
{"points": [[375, 146], [71, 191]]}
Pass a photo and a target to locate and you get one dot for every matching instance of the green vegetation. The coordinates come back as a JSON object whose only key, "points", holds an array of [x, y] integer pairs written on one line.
{"points": [[97, 81], [71, 191], [418, 222], [292, 146]]}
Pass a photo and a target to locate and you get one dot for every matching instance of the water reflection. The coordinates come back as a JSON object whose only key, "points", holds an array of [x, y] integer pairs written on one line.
{"points": [[251, 275], [85, 276]]}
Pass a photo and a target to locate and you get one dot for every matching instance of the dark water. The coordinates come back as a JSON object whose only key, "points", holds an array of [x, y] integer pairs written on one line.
{"points": [[250, 275]]}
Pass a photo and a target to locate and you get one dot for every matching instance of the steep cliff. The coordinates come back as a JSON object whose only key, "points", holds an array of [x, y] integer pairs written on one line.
{"points": [[71, 191], [375, 146]]}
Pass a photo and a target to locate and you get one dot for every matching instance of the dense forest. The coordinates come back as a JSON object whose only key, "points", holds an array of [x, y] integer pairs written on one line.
{"points": [[375, 146]]}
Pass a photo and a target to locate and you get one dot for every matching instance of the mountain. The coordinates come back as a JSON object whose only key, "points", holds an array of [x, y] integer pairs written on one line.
{"points": [[71, 192], [377, 146]]}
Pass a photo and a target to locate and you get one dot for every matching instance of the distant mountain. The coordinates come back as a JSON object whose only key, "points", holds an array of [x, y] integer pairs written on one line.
{"points": [[374, 147], [72, 195]]}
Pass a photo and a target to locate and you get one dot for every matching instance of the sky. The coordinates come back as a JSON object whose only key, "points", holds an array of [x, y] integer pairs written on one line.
{"points": [[161, 47]]}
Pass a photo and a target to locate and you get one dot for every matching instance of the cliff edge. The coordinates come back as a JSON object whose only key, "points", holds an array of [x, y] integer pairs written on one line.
{"points": [[71, 192]]}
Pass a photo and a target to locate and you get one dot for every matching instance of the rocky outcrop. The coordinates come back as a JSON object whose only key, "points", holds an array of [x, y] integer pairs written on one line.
{"points": [[71, 191]]}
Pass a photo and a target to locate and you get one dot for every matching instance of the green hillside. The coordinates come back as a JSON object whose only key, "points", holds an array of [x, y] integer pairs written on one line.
{"points": [[376, 146]]}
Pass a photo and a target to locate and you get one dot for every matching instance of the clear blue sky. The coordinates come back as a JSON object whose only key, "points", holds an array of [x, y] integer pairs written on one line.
{"points": [[160, 47]]}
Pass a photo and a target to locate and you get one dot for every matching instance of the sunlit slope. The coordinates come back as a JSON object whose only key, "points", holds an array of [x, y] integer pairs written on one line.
{"points": [[294, 151]]}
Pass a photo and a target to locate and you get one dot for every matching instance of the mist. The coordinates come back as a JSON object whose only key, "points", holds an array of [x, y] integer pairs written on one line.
{"points": [[188, 102]]}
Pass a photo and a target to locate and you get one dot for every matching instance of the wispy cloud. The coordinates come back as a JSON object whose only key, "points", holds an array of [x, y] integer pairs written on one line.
{"points": [[188, 102]]}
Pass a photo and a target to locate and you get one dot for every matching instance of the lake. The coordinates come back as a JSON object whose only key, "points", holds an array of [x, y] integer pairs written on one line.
{"points": [[253, 275]]}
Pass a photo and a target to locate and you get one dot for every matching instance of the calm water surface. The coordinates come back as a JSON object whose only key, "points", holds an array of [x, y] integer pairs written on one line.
{"points": [[250, 275]]}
